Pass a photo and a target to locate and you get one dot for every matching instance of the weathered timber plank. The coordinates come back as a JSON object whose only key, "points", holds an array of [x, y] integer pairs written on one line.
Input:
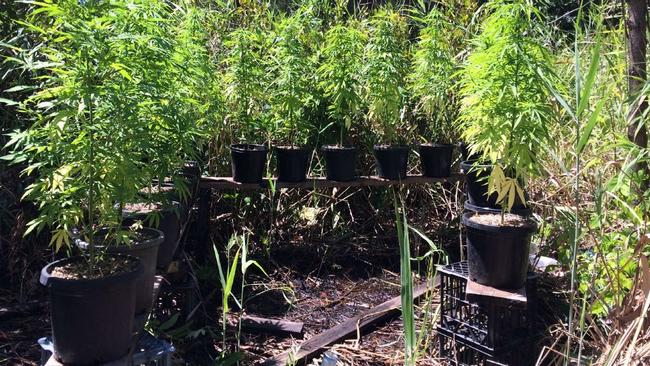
{"points": [[321, 182], [315, 345], [271, 325], [476, 292]]}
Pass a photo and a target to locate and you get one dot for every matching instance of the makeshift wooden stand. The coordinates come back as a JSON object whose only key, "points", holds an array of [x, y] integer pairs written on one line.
{"points": [[317, 344]]}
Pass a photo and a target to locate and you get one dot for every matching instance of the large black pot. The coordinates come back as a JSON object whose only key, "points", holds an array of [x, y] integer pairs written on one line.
{"points": [[146, 250], [340, 163], [293, 163], [92, 319], [392, 161], [436, 160], [497, 256], [169, 224], [248, 162]]}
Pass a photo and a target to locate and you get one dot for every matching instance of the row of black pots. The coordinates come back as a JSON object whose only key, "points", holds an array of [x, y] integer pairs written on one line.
{"points": [[497, 255], [249, 161]]}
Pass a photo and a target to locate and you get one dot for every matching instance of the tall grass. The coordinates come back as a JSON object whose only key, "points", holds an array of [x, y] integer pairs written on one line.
{"points": [[406, 278]]}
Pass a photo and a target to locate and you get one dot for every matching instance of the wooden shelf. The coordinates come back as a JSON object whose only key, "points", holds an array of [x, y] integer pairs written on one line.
{"points": [[321, 182]]}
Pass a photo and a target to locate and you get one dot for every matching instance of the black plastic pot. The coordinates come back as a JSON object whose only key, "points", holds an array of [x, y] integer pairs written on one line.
{"points": [[192, 173], [169, 224], [464, 153], [293, 163], [340, 163], [497, 256], [392, 161], [248, 162], [92, 319], [436, 160], [169, 193], [145, 250], [476, 179]]}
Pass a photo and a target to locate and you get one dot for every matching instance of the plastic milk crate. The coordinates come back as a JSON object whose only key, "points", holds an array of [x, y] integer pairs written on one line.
{"points": [[486, 329]]}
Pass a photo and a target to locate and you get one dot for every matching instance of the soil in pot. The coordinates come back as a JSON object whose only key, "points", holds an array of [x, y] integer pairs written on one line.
{"points": [[248, 162], [92, 313], [144, 246], [476, 179], [169, 223], [392, 161], [340, 162], [497, 251], [292, 163], [436, 160]]}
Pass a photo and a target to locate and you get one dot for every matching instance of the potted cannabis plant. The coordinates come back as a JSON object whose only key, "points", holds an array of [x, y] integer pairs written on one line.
{"points": [[102, 115], [340, 74], [292, 94], [244, 95], [177, 118], [431, 82], [504, 115], [385, 69]]}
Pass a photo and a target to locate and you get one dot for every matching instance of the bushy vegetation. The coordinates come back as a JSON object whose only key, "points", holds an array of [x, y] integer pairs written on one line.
{"points": [[111, 95]]}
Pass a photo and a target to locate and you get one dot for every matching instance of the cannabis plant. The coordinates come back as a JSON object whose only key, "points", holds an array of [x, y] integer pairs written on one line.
{"points": [[109, 114], [293, 88], [505, 105], [431, 78], [340, 74], [385, 68], [245, 81]]}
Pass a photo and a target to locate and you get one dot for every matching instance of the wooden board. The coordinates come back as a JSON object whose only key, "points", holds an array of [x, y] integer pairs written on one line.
{"points": [[476, 292], [316, 344], [321, 182], [281, 326]]}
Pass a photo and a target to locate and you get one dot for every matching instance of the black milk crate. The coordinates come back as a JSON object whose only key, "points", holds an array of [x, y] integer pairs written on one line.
{"points": [[457, 351], [487, 325]]}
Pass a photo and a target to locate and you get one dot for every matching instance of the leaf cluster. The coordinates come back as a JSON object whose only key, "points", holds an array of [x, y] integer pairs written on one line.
{"points": [[506, 107], [385, 69], [292, 63], [431, 79], [340, 73], [115, 107]]}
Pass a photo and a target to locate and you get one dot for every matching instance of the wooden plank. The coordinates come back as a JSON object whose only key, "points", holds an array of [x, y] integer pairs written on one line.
{"points": [[315, 345], [476, 292], [321, 182], [271, 325]]}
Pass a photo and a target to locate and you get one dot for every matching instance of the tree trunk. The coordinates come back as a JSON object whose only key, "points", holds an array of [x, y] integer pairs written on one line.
{"points": [[636, 26]]}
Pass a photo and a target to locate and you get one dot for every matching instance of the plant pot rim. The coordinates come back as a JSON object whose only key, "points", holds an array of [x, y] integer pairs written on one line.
{"points": [[144, 244], [391, 147], [525, 229], [248, 147], [291, 147], [46, 278], [471, 163], [338, 148], [436, 144]]}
